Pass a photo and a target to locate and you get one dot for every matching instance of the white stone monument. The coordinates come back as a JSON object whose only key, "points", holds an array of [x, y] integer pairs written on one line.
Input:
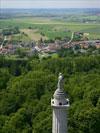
{"points": [[59, 104]]}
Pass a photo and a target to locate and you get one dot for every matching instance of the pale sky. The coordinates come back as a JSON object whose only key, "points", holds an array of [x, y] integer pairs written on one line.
{"points": [[49, 3]]}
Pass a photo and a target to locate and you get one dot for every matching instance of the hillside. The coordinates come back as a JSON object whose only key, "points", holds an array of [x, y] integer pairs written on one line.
{"points": [[26, 87]]}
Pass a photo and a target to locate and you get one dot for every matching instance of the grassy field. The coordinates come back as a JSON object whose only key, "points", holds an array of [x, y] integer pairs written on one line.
{"points": [[33, 34], [48, 28]]}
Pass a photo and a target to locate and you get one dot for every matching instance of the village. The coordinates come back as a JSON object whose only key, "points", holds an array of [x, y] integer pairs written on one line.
{"points": [[47, 48]]}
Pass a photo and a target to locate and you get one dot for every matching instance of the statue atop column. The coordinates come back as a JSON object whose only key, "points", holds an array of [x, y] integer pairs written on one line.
{"points": [[59, 104], [60, 81]]}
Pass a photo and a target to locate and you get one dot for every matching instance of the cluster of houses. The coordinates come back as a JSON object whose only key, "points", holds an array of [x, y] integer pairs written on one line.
{"points": [[50, 47], [11, 48], [53, 47]]}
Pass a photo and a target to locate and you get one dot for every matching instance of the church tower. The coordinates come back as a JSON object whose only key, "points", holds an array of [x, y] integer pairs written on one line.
{"points": [[59, 104]]}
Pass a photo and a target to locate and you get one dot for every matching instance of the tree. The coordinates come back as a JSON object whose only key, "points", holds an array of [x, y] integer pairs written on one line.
{"points": [[4, 78]]}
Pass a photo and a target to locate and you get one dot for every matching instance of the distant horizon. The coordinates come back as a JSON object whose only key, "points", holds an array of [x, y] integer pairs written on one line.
{"points": [[49, 4], [52, 8]]}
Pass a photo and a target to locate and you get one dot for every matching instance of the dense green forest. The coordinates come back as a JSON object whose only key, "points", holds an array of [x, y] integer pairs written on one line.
{"points": [[26, 87]]}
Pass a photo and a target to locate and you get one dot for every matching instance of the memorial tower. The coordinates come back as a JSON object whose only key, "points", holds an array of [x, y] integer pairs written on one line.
{"points": [[59, 105]]}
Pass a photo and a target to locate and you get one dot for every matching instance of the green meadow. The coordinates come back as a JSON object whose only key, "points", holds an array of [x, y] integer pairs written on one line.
{"points": [[49, 28]]}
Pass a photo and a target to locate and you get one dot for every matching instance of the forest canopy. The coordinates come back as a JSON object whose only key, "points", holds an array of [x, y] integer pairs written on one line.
{"points": [[26, 87]]}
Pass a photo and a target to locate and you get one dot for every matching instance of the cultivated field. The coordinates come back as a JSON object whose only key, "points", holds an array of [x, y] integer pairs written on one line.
{"points": [[47, 28]]}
